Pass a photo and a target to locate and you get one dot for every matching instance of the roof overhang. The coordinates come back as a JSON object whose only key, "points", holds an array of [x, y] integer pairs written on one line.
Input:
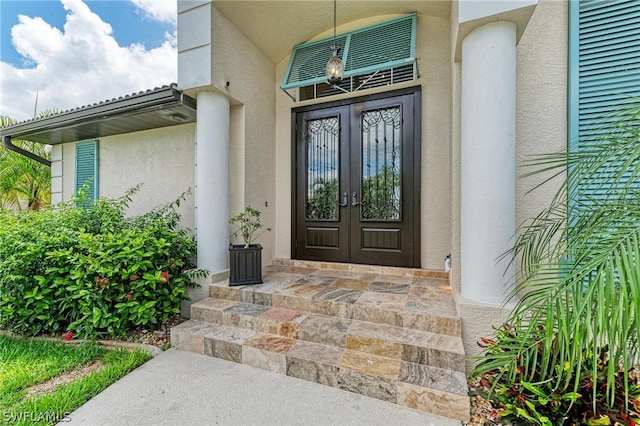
{"points": [[283, 24], [161, 107]]}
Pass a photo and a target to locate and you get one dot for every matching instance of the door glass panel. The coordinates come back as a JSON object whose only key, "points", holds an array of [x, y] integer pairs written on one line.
{"points": [[321, 192], [381, 157]]}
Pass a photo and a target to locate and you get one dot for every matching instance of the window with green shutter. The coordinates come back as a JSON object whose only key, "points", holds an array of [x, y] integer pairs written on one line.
{"points": [[604, 75], [87, 167], [373, 56]]}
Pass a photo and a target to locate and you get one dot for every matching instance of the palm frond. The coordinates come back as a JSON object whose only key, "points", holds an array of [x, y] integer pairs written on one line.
{"points": [[23, 181], [579, 275]]}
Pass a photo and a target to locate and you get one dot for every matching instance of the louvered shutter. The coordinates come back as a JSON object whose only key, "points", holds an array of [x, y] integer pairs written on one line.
{"points": [[87, 167], [308, 62], [604, 59], [378, 47]]}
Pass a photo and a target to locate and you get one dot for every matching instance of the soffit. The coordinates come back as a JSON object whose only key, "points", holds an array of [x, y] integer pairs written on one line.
{"points": [[276, 26]]}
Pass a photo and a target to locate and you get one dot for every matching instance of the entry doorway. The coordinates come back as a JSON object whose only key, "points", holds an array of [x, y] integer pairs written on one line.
{"points": [[356, 196]]}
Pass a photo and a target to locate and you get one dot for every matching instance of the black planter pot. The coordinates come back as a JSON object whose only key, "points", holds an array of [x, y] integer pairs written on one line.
{"points": [[246, 264]]}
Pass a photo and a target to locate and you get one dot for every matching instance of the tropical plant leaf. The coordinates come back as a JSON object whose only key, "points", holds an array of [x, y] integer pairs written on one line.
{"points": [[579, 275]]}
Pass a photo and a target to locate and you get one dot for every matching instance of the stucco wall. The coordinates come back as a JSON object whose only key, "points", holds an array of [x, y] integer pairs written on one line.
{"points": [[541, 127], [454, 157], [435, 69], [250, 76], [435, 78], [162, 160]]}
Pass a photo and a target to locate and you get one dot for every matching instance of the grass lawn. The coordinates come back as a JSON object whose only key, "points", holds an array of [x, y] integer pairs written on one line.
{"points": [[29, 369]]}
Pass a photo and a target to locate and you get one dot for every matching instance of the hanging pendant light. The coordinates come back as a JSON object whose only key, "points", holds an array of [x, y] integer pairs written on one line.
{"points": [[335, 67]]}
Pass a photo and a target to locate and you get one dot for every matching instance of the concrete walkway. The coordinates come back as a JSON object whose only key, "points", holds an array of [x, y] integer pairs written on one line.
{"points": [[183, 388]]}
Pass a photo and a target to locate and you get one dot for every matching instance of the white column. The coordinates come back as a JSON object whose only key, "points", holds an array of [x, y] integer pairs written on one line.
{"points": [[488, 158], [212, 181]]}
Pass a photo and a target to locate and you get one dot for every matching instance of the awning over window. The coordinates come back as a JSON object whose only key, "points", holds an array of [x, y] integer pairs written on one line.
{"points": [[382, 46]]}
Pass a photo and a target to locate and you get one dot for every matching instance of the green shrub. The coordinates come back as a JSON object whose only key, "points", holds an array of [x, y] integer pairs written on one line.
{"points": [[87, 268], [522, 397]]}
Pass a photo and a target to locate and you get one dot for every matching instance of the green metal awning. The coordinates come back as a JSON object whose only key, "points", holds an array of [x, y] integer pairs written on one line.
{"points": [[383, 46]]}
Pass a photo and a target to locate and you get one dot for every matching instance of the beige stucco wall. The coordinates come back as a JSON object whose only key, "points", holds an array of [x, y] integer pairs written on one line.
{"points": [[454, 156], [260, 137], [542, 62], [250, 76], [162, 160], [541, 127], [435, 71]]}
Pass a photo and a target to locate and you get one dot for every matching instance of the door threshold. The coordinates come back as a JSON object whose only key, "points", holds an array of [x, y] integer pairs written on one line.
{"points": [[356, 267]]}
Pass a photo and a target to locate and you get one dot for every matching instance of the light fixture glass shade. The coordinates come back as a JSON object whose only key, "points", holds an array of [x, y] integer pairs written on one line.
{"points": [[335, 67]]}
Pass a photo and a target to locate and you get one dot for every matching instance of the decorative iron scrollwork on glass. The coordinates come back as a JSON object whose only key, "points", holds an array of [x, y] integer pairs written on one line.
{"points": [[381, 164], [323, 140]]}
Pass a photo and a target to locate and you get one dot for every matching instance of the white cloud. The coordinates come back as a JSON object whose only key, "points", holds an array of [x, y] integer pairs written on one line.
{"points": [[158, 10], [78, 66]]}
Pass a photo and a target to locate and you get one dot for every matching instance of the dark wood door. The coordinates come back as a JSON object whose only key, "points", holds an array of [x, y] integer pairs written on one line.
{"points": [[322, 181], [357, 182]]}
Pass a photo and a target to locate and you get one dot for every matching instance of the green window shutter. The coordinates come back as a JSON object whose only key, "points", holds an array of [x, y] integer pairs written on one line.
{"points": [[87, 167], [308, 62], [381, 46], [604, 75], [378, 47]]}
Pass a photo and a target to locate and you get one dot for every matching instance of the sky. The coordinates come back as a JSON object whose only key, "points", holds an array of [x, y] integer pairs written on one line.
{"points": [[64, 54]]}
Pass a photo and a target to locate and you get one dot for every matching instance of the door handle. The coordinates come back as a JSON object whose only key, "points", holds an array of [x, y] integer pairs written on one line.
{"points": [[354, 199], [345, 196]]}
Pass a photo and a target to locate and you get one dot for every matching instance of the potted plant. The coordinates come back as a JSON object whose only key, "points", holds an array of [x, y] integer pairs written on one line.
{"points": [[246, 259]]}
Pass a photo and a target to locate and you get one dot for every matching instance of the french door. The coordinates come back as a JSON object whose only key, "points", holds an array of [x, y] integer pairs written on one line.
{"points": [[357, 186]]}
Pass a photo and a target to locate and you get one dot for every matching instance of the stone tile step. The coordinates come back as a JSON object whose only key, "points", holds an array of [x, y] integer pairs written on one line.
{"points": [[355, 267], [422, 304], [426, 388], [416, 346]]}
